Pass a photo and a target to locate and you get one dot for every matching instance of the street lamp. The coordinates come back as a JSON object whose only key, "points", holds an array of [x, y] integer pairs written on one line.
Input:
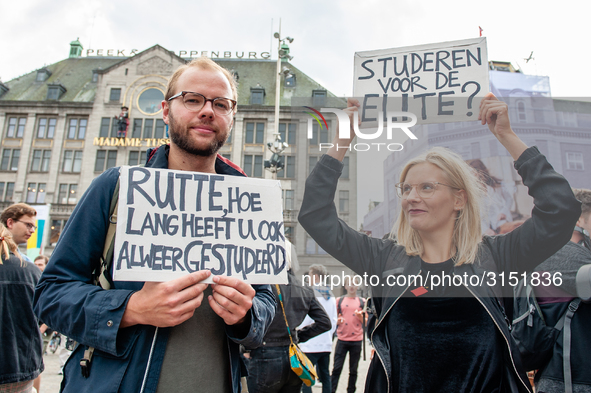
{"points": [[277, 146]]}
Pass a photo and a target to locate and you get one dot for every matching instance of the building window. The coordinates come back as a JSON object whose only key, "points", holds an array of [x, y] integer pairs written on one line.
{"points": [[136, 157], [257, 96], [521, 115], [253, 165], [67, 194], [36, 193], [16, 127], [290, 80], [40, 161], [318, 97], [137, 128], [574, 161], [105, 159], [255, 133], [115, 94], [318, 136], [288, 200], [312, 248], [10, 159], [343, 201], [72, 161], [77, 128], [312, 161], [105, 125], [289, 233], [150, 101], [159, 130], [46, 127], [288, 170], [55, 91], [290, 138], [56, 231], [148, 128], [114, 128], [345, 172], [6, 193]]}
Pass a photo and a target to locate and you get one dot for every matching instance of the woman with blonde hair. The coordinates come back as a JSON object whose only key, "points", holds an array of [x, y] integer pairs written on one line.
{"points": [[441, 326], [21, 346]]}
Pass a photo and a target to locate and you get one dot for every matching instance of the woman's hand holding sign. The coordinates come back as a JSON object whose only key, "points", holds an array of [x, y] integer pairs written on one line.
{"points": [[495, 113], [340, 146]]}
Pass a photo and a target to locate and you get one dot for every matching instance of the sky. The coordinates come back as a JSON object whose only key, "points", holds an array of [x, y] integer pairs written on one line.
{"points": [[326, 34]]}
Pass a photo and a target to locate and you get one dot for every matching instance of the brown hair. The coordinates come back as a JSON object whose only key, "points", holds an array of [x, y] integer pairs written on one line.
{"points": [[584, 196], [16, 211], [7, 245], [45, 259], [203, 63]]}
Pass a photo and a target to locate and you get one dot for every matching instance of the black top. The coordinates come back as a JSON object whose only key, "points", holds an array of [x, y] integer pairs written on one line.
{"points": [[443, 340]]}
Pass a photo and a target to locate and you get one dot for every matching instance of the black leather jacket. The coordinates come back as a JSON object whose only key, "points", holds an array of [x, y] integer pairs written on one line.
{"points": [[553, 217]]}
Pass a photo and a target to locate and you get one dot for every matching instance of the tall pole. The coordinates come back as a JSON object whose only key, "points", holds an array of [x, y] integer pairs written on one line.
{"points": [[277, 84]]}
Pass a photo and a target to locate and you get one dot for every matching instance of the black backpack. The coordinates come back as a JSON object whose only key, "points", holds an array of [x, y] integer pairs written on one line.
{"points": [[534, 338]]}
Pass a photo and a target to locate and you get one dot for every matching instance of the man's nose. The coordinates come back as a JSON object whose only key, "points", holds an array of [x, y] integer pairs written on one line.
{"points": [[207, 110]]}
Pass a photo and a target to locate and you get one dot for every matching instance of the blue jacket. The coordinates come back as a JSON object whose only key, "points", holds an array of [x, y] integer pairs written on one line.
{"points": [[127, 359], [21, 347]]}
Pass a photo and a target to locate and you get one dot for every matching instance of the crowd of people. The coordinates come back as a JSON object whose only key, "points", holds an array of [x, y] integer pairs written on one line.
{"points": [[187, 336]]}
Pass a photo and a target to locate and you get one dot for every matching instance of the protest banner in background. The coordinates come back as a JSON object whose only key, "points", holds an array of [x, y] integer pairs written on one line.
{"points": [[171, 223], [438, 83]]}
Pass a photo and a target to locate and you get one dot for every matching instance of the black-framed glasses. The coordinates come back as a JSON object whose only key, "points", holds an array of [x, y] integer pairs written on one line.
{"points": [[195, 102], [30, 226], [425, 189]]}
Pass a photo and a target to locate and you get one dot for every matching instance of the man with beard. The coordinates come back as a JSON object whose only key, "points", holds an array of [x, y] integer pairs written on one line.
{"points": [[180, 335]]}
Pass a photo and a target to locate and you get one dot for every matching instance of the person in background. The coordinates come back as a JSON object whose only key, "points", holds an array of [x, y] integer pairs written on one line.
{"points": [[554, 301], [269, 367], [350, 335], [41, 261], [319, 348], [21, 347], [19, 219]]}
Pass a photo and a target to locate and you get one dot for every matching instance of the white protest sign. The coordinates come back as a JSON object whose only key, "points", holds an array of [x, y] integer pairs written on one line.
{"points": [[438, 83], [171, 223]]}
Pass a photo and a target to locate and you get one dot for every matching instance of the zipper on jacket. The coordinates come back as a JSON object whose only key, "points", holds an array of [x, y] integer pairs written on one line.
{"points": [[502, 334], [149, 360], [378, 324]]}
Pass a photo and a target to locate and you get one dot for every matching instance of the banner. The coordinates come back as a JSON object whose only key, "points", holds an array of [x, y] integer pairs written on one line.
{"points": [[35, 244], [438, 83], [170, 223]]}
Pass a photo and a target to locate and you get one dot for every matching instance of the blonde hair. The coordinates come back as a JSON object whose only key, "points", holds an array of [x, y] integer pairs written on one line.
{"points": [[467, 233], [7, 245], [203, 63]]}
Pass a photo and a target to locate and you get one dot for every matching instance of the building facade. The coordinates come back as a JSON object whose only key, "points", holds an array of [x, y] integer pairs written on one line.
{"points": [[560, 128], [60, 127]]}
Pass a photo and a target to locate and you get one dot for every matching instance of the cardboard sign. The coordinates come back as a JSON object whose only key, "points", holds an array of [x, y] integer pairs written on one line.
{"points": [[170, 223], [438, 83]]}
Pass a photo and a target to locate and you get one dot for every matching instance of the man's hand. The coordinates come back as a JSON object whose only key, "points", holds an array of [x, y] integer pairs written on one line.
{"points": [[340, 320], [166, 304], [231, 299]]}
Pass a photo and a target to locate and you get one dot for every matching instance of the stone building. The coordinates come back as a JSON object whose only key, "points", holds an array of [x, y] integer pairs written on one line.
{"points": [[59, 131]]}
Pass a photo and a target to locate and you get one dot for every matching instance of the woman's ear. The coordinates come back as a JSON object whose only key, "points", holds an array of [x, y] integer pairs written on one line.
{"points": [[460, 200]]}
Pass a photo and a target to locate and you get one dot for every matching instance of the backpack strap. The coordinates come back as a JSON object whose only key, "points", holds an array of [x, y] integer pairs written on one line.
{"points": [[339, 305], [566, 341], [102, 278]]}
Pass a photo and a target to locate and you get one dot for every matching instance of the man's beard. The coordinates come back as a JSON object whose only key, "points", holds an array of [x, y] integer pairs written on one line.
{"points": [[183, 141]]}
